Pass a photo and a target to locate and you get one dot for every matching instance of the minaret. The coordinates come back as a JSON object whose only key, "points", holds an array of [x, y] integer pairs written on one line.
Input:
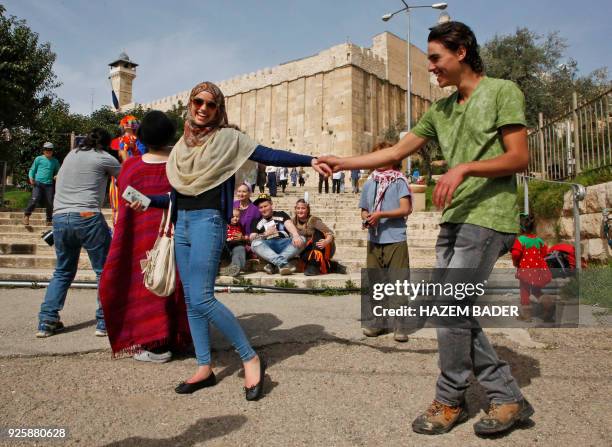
{"points": [[122, 73]]}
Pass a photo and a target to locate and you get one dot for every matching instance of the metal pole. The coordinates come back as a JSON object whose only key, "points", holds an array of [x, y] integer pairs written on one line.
{"points": [[577, 165], [409, 81], [541, 143], [408, 94], [571, 160], [578, 194], [526, 195]]}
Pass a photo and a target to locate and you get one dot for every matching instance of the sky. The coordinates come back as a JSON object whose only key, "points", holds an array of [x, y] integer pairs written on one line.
{"points": [[178, 44]]}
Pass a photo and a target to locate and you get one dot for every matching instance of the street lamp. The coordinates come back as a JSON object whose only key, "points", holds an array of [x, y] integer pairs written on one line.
{"points": [[386, 18]]}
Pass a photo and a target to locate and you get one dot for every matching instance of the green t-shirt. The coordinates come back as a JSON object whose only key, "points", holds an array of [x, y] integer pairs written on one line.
{"points": [[470, 132]]}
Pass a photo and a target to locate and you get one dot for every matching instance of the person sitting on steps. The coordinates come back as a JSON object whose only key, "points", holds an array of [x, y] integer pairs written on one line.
{"points": [[274, 238]]}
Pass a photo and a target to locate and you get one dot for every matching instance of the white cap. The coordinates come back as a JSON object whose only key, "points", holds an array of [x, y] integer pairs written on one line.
{"points": [[48, 145]]}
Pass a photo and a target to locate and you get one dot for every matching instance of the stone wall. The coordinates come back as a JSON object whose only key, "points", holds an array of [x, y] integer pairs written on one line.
{"points": [[593, 245], [338, 101]]}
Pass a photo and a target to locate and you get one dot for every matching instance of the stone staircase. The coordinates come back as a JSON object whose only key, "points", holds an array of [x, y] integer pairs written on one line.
{"points": [[25, 256]]}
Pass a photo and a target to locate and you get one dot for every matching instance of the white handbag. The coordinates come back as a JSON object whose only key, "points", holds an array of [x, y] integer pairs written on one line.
{"points": [[159, 268]]}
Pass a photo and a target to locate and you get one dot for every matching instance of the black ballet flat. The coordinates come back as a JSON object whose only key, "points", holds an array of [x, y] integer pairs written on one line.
{"points": [[255, 392], [188, 388]]}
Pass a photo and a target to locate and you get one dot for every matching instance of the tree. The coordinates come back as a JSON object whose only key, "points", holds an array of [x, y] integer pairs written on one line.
{"points": [[177, 115], [534, 63], [428, 153], [26, 73]]}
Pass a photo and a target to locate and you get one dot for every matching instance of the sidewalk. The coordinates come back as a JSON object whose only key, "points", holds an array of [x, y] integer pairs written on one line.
{"points": [[327, 385]]}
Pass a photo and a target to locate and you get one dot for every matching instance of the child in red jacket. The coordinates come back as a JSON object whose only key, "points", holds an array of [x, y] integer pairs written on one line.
{"points": [[235, 246], [528, 254]]}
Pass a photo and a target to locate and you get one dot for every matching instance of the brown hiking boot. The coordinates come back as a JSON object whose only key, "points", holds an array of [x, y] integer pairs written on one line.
{"points": [[26, 220], [502, 417], [439, 418]]}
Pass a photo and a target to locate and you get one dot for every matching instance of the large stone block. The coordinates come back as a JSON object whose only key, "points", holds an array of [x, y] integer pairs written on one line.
{"points": [[596, 250], [590, 225], [568, 204], [595, 199], [566, 228]]}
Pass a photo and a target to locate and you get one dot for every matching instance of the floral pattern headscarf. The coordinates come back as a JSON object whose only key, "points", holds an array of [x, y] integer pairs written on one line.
{"points": [[194, 134]]}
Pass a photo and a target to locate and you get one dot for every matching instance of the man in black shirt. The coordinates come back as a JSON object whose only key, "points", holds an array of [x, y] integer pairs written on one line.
{"points": [[274, 238]]}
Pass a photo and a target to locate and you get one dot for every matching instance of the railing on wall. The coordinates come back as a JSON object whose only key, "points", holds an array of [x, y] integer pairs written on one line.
{"points": [[578, 194], [577, 141]]}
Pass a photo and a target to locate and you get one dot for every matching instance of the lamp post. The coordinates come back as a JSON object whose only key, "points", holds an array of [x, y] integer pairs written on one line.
{"points": [[441, 19]]}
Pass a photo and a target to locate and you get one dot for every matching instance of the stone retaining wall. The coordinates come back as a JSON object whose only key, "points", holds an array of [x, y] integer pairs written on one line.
{"points": [[593, 245]]}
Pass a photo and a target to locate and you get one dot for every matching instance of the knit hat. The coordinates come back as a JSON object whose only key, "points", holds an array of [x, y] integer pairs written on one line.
{"points": [[156, 129]]}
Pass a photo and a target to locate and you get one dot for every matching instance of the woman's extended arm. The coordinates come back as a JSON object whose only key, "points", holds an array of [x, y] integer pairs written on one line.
{"points": [[280, 158]]}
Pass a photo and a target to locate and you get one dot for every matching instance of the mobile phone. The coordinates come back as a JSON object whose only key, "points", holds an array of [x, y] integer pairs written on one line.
{"points": [[133, 195]]}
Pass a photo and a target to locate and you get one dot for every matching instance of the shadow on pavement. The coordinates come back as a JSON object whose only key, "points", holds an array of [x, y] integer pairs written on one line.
{"points": [[523, 367], [262, 327], [203, 430], [79, 326]]}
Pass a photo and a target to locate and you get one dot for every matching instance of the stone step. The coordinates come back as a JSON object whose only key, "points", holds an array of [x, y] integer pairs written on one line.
{"points": [[35, 245], [362, 242], [17, 248], [45, 261], [503, 276], [324, 212], [358, 253], [418, 259], [327, 217], [36, 229], [354, 232]]}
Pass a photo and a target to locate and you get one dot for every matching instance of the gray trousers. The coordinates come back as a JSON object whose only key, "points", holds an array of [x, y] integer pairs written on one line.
{"points": [[461, 350]]}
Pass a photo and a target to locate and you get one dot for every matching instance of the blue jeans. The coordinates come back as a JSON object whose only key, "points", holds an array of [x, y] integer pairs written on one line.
{"points": [[70, 233], [198, 242], [276, 251], [466, 351], [272, 183], [41, 192]]}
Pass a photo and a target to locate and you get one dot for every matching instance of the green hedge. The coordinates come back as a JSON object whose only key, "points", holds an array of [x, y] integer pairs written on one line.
{"points": [[546, 199], [17, 199]]}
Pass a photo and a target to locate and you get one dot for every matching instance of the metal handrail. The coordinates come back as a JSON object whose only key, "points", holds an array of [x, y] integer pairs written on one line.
{"points": [[579, 193]]}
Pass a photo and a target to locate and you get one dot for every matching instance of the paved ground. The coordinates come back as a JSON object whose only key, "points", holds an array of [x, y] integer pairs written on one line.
{"points": [[327, 384]]}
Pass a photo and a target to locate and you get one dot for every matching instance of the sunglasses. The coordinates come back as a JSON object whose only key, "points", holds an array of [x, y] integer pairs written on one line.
{"points": [[199, 102]]}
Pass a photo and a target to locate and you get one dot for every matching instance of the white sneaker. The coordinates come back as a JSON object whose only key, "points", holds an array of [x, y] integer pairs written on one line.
{"points": [[148, 356]]}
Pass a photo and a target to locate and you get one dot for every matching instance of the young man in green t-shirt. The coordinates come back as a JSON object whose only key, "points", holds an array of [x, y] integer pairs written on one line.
{"points": [[481, 131]]}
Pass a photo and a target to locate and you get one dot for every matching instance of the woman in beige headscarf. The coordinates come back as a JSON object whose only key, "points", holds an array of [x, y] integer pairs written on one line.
{"points": [[202, 170]]}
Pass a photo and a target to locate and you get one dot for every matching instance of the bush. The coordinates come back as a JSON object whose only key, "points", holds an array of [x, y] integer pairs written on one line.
{"points": [[546, 199], [17, 199]]}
